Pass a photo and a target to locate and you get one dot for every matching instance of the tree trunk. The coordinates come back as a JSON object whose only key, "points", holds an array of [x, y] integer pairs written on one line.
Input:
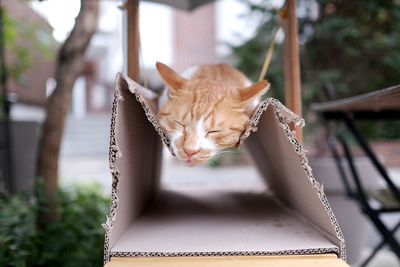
{"points": [[70, 64]]}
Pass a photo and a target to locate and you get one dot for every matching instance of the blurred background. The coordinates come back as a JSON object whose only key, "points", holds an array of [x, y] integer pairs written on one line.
{"points": [[353, 46]]}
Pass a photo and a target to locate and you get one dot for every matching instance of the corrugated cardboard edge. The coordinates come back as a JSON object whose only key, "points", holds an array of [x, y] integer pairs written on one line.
{"points": [[284, 116], [226, 253]]}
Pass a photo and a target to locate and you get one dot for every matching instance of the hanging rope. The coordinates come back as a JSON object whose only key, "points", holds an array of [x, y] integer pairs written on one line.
{"points": [[282, 15]]}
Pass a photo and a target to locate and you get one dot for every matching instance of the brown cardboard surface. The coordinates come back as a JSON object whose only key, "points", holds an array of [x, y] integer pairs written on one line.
{"points": [[136, 142], [278, 162], [214, 228], [326, 260], [218, 221]]}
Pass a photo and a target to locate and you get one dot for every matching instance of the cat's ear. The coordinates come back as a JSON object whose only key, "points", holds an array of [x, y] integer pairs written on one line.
{"points": [[253, 91], [170, 77]]}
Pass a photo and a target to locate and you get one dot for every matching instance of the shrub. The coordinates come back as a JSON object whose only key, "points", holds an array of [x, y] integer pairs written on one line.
{"points": [[75, 239]]}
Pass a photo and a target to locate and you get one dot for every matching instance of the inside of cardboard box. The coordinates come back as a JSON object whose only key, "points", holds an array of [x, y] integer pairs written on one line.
{"points": [[204, 220], [222, 217]]}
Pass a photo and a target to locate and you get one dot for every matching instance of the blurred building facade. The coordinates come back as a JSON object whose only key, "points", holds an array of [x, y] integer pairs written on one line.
{"points": [[27, 90], [194, 37], [29, 60], [87, 129], [93, 91]]}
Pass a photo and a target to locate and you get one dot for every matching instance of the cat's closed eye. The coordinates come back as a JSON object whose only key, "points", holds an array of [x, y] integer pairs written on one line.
{"points": [[218, 99], [212, 132], [179, 123]]}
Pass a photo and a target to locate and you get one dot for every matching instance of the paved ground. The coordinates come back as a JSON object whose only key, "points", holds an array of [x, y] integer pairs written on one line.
{"points": [[95, 169]]}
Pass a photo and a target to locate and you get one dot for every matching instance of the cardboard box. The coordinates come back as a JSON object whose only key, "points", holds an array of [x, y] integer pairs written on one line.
{"points": [[292, 218]]}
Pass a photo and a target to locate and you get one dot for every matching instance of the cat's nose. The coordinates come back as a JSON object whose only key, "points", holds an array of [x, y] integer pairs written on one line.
{"points": [[190, 151]]}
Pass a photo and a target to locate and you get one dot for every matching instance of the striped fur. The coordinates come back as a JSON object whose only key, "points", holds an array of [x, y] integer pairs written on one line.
{"points": [[207, 112]]}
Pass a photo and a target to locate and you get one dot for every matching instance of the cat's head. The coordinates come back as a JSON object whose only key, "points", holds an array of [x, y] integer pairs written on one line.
{"points": [[202, 116]]}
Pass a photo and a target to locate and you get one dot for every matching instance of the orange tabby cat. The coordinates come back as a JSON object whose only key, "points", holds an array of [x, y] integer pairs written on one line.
{"points": [[208, 111]]}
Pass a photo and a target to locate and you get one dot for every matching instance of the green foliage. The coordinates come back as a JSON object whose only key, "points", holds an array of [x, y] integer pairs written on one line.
{"points": [[22, 40], [353, 45], [251, 54], [18, 233], [228, 156], [76, 239]]}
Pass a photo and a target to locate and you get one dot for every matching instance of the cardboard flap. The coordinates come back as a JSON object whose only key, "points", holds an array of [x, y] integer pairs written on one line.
{"points": [[150, 106], [283, 112], [281, 161], [135, 159]]}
